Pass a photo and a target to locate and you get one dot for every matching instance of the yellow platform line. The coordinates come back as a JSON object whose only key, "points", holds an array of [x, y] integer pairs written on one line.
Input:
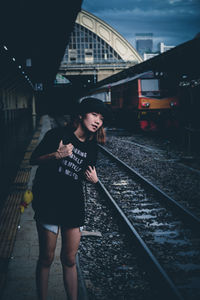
{"points": [[22, 177], [10, 214]]}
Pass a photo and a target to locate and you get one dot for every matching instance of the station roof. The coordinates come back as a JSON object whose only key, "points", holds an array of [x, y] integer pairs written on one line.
{"points": [[38, 31]]}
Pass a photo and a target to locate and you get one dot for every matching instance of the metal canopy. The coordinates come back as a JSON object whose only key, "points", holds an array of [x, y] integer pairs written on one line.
{"points": [[36, 34]]}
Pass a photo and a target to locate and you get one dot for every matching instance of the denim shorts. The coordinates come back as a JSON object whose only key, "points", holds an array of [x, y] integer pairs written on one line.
{"points": [[54, 228]]}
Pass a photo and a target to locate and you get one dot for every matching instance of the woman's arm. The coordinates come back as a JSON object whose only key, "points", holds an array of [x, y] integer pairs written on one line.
{"points": [[45, 158], [61, 152]]}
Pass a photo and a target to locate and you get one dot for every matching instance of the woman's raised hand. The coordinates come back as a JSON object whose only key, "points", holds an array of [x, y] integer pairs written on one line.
{"points": [[91, 174], [64, 150]]}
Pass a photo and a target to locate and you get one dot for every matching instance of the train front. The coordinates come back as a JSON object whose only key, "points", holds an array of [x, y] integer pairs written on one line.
{"points": [[157, 104]]}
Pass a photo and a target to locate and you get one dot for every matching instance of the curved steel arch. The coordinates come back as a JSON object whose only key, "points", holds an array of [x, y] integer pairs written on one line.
{"points": [[109, 35]]}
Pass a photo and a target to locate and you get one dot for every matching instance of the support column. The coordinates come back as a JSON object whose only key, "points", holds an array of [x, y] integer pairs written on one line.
{"points": [[33, 106]]}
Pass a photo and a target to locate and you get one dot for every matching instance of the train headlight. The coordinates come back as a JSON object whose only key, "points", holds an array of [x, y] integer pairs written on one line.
{"points": [[145, 104], [172, 104]]}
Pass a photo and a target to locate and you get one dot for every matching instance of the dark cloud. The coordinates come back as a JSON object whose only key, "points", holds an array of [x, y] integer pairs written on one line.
{"points": [[171, 21]]}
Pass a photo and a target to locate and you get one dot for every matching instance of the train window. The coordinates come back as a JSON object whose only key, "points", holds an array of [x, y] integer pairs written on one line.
{"points": [[83, 38], [148, 85]]}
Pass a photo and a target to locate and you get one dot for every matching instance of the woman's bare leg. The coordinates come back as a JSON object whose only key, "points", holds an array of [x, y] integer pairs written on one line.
{"points": [[70, 244], [47, 245]]}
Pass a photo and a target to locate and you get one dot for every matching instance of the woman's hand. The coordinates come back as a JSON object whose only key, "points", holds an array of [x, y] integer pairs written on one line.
{"points": [[64, 150], [91, 174]]}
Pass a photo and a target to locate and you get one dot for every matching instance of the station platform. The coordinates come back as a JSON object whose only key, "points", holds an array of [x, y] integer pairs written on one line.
{"points": [[19, 242]]}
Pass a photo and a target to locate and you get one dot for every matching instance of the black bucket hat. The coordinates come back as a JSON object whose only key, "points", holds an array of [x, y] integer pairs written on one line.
{"points": [[94, 105]]}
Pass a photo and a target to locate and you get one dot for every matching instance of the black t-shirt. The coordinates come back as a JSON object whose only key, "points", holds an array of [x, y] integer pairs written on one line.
{"points": [[57, 188]]}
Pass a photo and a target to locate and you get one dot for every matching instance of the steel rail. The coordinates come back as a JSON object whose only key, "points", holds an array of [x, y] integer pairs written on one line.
{"points": [[82, 290], [170, 289], [192, 220]]}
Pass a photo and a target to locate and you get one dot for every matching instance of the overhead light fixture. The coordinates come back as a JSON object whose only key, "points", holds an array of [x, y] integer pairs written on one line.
{"points": [[28, 62]]}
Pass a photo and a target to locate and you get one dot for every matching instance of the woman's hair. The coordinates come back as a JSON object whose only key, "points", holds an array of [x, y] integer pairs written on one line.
{"points": [[99, 135]]}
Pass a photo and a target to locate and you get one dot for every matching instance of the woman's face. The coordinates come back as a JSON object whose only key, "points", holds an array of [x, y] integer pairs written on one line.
{"points": [[93, 121]]}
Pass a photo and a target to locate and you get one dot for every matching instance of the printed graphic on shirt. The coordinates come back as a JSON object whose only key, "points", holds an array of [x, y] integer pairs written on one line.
{"points": [[73, 164]]}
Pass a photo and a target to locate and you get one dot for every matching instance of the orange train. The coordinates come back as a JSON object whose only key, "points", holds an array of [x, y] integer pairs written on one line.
{"points": [[144, 100]]}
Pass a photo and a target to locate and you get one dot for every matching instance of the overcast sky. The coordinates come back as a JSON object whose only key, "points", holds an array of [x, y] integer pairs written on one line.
{"points": [[171, 21]]}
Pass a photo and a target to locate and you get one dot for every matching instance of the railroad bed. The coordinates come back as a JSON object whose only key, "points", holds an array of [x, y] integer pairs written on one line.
{"points": [[109, 262]]}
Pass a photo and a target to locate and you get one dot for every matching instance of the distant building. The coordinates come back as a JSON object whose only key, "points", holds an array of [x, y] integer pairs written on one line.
{"points": [[144, 43], [149, 55], [164, 48]]}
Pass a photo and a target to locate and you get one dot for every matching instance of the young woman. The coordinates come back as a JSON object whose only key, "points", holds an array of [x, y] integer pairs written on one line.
{"points": [[65, 157]]}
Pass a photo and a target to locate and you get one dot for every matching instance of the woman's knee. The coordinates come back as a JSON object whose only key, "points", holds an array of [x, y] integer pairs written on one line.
{"points": [[68, 260], [46, 259]]}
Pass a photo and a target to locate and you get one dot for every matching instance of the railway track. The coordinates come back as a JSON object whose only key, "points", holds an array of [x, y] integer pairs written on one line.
{"points": [[165, 231], [178, 181], [160, 154]]}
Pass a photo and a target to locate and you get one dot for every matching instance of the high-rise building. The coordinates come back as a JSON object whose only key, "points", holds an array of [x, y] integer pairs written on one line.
{"points": [[164, 48], [144, 42], [149, 55]]}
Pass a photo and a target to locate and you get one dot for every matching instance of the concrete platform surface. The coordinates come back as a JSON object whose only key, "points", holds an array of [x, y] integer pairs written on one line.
{"points": [[21, 271]]}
